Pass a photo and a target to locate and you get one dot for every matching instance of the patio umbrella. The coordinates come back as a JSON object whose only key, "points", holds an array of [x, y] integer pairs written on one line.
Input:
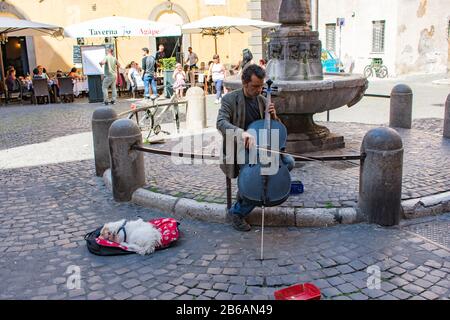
{"points": [[218, 25], [10, 27], [116, 26]]}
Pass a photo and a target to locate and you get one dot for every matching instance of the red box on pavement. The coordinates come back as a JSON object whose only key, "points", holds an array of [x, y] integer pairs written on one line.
{"points": [[306, 291]]}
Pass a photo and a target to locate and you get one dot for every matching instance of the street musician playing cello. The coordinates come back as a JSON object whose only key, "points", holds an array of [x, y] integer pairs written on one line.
{"points": [[239, 109]]}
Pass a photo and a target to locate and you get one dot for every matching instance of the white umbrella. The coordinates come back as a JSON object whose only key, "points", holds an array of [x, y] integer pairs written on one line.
{"points": [[21, 28], [10, 27], [121, 27], [219, 25]]}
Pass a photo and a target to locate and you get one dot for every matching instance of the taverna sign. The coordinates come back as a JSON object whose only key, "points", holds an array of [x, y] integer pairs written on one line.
{"points": [[120, 27], [124, 32]]}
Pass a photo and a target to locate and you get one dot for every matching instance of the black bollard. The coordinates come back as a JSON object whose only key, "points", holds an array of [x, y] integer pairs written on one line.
{"points": [[401, 107], [447, 118], [127, 165], [380, 184], [102, 118]]}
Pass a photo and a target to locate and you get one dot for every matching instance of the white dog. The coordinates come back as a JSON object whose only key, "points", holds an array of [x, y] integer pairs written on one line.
{"points": [[139, 236]]}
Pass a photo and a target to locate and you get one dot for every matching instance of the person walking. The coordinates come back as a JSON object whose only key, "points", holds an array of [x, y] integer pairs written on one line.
{"points": [[192, 59], [180, 80], [110, 64], [217, 73], [148, 67]]}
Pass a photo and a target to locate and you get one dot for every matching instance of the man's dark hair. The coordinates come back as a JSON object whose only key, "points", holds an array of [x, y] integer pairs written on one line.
{"points": [[146, 50], [250, 70]]}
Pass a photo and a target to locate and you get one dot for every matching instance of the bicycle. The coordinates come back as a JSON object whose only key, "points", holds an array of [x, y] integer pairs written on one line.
{"points": [[377, 67], [152, 122]]}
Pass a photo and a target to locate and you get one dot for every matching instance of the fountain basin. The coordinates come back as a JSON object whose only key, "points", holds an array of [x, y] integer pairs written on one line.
{"points": [[298, 100]]}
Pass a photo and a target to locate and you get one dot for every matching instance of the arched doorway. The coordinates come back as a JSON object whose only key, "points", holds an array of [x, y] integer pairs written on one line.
{"points": [[171, 44], [18, 51], [174, 14]]}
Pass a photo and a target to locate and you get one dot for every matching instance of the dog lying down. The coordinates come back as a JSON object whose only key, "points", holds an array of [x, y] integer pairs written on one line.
{"points": [[139, 236]]}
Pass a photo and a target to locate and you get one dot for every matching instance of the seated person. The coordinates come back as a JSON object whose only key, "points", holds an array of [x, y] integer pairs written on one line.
{"points": [[202, 68], [43, 72], [36, 74], [40, 73], [134, 77], [202, 72], [74, 74], [26, 82], [11, 80]]}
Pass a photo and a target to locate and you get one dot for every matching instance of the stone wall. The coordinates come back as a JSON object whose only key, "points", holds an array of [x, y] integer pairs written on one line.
{"points": [[423, 42]]}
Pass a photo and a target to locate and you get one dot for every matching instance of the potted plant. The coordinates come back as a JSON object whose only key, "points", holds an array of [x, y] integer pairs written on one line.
{"points": [[168, 66]]}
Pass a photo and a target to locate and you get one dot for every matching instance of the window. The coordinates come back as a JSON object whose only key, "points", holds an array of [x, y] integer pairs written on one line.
{"points": [[378, 36], [448, 29], [331, 37]]}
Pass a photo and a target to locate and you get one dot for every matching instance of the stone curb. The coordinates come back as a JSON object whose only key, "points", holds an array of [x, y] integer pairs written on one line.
{"points": [[278, 216], [212, 212], [426, 206]]}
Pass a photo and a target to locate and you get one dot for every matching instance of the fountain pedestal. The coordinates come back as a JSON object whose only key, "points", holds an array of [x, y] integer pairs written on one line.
{"points": [[307, 136], [295, 66]]}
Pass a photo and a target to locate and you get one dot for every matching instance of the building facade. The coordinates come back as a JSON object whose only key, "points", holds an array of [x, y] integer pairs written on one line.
{"points": [[27, 52], [410, 36]]}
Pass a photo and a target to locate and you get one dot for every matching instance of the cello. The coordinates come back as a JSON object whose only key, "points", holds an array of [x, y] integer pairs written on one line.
{"points": [[258, 185]]}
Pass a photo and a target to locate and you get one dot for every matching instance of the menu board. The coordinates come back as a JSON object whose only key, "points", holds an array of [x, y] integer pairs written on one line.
{"points": [[91, 57], [77, 55]]}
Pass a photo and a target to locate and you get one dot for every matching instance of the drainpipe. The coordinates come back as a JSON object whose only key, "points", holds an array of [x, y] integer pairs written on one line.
{"points": [[317, 15]]}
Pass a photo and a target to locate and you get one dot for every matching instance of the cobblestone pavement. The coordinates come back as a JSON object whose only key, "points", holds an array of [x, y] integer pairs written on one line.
{"points": [[46, 210], [326, 184]]}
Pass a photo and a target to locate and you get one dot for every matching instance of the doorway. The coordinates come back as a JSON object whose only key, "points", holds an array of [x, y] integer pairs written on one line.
{"points": [[14, 54], [172, 47], [172, 44]]}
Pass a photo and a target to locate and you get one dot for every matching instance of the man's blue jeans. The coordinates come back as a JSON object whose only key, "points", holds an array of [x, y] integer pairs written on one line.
{"points": [[147, 80], [242, 207]]}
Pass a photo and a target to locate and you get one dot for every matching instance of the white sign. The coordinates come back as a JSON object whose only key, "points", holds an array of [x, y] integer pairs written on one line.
{"points": [[215, 2], [340, 22], [91, 57]]}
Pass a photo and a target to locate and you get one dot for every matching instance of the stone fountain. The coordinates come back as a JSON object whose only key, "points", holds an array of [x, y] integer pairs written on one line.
{"points": [[295, 66]]}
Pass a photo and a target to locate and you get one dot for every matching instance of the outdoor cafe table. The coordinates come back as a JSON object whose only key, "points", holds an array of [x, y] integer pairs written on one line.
{"points": [[80, 86]]}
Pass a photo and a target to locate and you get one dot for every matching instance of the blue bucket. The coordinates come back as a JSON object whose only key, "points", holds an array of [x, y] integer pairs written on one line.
{"points": [[297, 187]]}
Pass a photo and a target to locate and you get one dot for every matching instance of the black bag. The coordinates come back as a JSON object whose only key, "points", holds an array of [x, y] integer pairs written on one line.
{"points": [[99, 250], [105, 250]]}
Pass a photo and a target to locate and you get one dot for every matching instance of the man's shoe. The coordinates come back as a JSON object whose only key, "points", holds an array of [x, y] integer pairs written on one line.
{"points": [[239, 223], [113, 102], [106, 103]]}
